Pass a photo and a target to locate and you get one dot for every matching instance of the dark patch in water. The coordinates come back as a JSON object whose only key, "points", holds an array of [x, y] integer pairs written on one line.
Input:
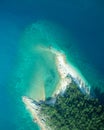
{"points": [[99, 94]]}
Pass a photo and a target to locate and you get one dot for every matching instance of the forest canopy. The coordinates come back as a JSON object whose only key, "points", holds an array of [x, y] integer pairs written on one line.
{"points": [[74, 111]]}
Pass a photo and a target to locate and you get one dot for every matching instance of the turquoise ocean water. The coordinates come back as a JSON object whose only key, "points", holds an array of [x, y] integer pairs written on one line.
{"points": [[75, 27]]}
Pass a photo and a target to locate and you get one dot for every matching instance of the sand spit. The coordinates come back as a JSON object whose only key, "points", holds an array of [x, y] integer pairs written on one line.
{"points": [[34, 108], [67, 73]]}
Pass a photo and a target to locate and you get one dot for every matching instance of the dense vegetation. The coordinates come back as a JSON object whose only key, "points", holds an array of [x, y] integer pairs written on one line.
{"points": [[74, 111]]}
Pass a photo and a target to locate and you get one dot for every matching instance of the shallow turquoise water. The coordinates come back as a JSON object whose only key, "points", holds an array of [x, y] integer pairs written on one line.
{"points": [[35, 74], [83, 45]]}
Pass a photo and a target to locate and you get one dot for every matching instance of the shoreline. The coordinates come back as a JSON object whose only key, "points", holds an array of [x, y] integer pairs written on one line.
{"points": [[66, 70], [34, 109], [65, 63], [67, 73]]}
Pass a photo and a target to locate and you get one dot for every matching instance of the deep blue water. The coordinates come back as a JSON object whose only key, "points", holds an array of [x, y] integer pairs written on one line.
{"points": [[84, 22]]}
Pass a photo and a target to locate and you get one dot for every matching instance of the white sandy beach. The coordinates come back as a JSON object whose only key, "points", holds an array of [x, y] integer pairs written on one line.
{"points": [[34, 110], [64, 69]]}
